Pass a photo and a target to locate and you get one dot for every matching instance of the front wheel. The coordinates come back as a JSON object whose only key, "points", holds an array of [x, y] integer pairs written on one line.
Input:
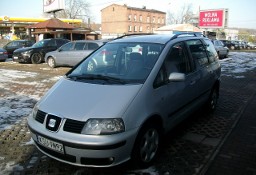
{"points": [[36, 58], [146, 146], [51, 62]]}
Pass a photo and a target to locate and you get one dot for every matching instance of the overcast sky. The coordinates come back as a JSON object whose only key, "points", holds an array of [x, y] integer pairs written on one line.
{"points": [[241, 13]]}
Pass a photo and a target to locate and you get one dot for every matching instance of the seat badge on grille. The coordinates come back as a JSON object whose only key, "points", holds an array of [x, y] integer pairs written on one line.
{"points": [[52, 123]]}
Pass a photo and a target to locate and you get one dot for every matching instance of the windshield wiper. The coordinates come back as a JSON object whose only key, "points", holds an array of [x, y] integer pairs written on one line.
{"points": [[96, 77]]}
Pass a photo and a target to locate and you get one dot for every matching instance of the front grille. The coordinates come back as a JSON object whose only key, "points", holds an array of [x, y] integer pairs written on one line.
{"points": [[73, 126], [53, 122], [40, 116]]}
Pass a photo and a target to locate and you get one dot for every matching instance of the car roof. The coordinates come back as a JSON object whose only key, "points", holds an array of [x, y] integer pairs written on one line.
{"points": [[156, 38], [20, 40], [87, 41]]}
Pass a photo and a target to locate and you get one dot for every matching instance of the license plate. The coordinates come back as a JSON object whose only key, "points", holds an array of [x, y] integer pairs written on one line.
{"points": [[50, 144], [15, 58]]}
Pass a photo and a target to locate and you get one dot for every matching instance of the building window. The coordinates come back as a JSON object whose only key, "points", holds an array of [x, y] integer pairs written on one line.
{"points": [[153, 20], [158, 20], [163, 20], [135, 18], [140, 28], [148, 29], [129, 28], [140, 18], [135, 28], [129, 17], [148, 19], [113, 9]]}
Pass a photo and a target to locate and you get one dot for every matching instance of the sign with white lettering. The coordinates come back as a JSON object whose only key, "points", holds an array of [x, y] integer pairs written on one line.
{"points": [[212, 18]]}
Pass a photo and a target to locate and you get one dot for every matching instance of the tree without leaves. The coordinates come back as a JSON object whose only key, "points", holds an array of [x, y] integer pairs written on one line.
{"points": [[74, 9], [185, 15]]}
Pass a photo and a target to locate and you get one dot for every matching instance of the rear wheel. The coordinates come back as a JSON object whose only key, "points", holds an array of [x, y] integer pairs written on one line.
{"points": [[146, 146], [36, 58], [51, 62], [226, 54], [213, 99]]}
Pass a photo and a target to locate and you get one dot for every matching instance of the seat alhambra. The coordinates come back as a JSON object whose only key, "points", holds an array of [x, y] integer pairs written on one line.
{"points": [[118, 103]]}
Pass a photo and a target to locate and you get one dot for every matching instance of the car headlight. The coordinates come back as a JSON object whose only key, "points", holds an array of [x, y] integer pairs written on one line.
{"points": [[103, 126], [34, 111]]}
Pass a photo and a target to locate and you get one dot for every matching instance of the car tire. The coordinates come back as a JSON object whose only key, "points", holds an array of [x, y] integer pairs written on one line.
{"points": [[36, 58], [146, 146], [219, 55], [212, 101], [51, 62], [226, 56]]}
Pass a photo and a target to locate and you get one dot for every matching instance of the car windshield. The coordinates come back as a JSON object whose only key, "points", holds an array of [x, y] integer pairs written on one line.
{"points": [[118, 63], [41, 43]]}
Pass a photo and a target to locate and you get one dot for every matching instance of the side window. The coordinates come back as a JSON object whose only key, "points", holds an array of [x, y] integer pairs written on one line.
{"points": [[67, 47], [79, 46], [92, 46], [210, 49], [198, 51], [60, 42], [177, 60], [15, 44], [51, 43], [161, 78]]}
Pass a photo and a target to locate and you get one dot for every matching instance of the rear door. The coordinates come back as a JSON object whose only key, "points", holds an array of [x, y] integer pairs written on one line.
{"points": [[203, 67]]}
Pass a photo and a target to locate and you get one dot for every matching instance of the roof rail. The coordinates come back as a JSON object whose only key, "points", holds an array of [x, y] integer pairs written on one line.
{"points": [[188, 34], [133, 34]]}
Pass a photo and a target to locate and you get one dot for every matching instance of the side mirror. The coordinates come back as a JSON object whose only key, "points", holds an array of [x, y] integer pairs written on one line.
{"points": [[175, 76]]}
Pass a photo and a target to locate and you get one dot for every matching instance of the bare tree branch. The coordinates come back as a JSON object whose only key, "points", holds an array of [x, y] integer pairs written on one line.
{"points": [[184, 15], [74, 8]]}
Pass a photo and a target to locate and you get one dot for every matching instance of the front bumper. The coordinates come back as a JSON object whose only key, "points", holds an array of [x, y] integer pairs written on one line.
{"points": [[84, 150], [21, 58]]}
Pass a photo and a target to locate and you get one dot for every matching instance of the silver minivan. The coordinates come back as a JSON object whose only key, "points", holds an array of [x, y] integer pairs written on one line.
{"points": [[118, 103]]}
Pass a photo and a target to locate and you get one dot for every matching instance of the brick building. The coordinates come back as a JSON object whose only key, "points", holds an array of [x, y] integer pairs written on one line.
{"points": [[117, 20]]}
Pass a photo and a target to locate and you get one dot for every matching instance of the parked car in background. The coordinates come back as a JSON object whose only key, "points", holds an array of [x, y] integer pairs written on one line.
{"points": [[71, 53], [36, 53], [227, 43], [221, 49], [235, 45], [251, 45], [16, 44], [3, 55], [102, 115]]}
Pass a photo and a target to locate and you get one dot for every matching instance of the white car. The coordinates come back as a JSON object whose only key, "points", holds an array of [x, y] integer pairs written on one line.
{"points": [[221, 49]]}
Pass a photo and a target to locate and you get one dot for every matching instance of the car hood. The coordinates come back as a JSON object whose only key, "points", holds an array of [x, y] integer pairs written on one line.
{"points": [[24, 49], [81, 101]]}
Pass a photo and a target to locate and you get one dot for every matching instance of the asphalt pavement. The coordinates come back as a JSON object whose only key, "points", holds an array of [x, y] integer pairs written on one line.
{"points": [[236, 155]]}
